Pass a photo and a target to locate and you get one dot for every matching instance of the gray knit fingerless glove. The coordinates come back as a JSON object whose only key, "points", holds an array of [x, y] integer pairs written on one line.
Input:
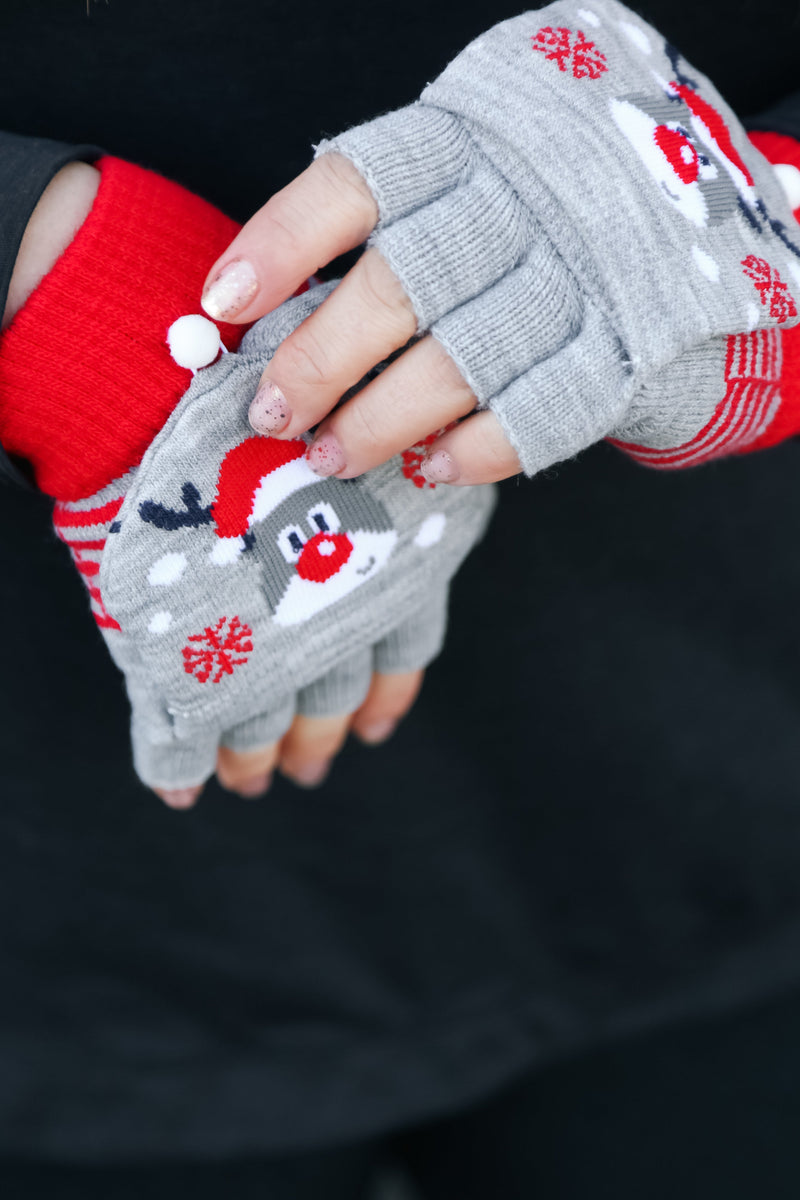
{"points": [[239, 588], [578, 217]]}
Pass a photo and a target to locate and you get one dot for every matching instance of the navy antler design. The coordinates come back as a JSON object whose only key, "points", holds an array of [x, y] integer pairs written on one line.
{"points": [[674, 55], [192, 516]]}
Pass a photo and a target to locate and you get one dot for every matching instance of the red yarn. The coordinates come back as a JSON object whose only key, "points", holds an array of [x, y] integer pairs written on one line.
{"points": [[86, 377], [715, 125], [215, 648], [243, 468], [786, 422], [323, 556], [778, 148]]}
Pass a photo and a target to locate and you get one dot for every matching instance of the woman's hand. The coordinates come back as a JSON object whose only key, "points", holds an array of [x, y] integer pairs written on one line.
{"points": [[327, 210], [306, 753], [578, 219]]}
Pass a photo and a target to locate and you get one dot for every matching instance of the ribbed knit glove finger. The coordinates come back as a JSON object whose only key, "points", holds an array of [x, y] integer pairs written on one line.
{"points": [[410, 645], [245, 587], [580, 220]]}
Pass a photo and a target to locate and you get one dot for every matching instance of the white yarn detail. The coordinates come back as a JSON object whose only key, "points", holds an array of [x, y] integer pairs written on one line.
{"points": [[167, 569], [706, 264], [160, 622], [431, 530], [637, 36]]}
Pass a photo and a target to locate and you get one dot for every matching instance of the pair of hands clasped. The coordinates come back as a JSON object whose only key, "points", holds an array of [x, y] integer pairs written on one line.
{"points": [[577, 221], [575, 218], [321, 214]]}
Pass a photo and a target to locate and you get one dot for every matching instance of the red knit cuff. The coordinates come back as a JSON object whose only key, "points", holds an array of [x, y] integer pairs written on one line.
{"points": [[778, 148], [86, 376]]}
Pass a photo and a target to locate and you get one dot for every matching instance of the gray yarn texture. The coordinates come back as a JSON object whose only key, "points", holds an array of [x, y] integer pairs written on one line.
{"points": [[247, 589], [570, 207]]}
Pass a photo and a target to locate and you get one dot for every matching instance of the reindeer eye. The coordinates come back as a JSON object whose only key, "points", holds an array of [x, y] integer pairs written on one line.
{"points": [[290, 542], [322, 518]]}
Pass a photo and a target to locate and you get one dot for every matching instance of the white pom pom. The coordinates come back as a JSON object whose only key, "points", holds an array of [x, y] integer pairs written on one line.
{"points": [[789, 179], [193, 341]]}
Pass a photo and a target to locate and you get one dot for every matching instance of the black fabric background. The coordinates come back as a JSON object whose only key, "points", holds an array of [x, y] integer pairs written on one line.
{"points": [[588, 827]]}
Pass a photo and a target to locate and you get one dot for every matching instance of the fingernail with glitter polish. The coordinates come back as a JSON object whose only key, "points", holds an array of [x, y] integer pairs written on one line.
{"points": [[231, 290], [439, 468], [325, 456], [269, 412]]}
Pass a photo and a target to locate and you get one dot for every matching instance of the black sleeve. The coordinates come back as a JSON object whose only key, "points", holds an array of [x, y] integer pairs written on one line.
{"points": [[27, 164]]}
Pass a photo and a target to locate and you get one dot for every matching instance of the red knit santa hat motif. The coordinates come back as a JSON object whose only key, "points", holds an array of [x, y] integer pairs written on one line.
{"points": [[255, 477]]}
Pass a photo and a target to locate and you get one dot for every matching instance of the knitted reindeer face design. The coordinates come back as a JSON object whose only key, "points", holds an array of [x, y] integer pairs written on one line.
{"points": [[312, 540], [241, 588], [701, 176]]}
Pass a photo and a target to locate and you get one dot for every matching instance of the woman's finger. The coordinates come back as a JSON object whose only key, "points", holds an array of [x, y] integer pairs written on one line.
{"points": [[316, 365], [247, 772], [309, 747], [476, 451], [323, 212], [420, 393], [388, 700], [179, 798]]}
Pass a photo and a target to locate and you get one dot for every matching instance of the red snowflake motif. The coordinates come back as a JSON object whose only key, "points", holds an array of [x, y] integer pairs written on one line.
{"points": [[579, 55], [771, 289], [413, 457], [215, 650]]}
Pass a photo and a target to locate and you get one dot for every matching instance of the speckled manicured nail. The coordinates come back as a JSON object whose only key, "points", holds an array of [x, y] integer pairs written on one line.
{"points": [[439, 468], [379, 731], [231, 290], [269, 411], [325, 456], [251, 789], [311, 774]]}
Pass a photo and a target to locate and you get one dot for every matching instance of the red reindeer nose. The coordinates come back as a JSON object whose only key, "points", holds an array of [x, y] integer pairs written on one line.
{"points": [[323, 555]]}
